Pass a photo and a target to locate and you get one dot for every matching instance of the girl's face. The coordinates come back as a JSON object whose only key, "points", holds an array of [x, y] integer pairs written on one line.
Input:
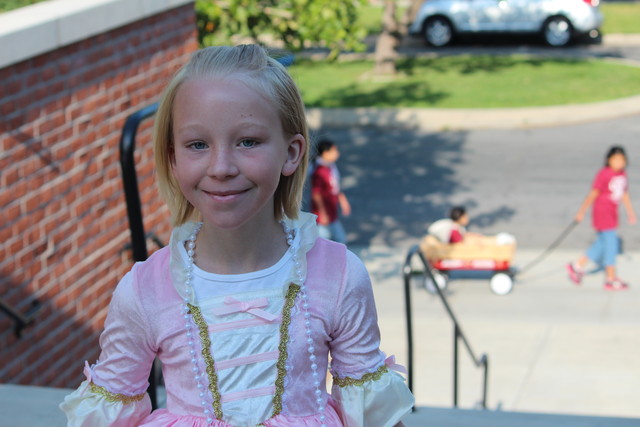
{"points": [[617, 162], [230, 152]]}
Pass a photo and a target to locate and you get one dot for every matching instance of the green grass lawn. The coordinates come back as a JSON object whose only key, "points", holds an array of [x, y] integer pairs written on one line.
{"points": [[466, 82], [621, 18]]}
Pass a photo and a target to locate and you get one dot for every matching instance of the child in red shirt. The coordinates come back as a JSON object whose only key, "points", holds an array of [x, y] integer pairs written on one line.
{"points": [[327, 199], [608, 190]]}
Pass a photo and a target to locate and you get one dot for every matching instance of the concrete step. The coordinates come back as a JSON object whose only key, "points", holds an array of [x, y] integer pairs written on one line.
{"points": [[30, 406], [448, 417]]}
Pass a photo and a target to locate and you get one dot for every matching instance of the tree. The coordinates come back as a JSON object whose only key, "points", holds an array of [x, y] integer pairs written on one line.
{"points": [[392, 34], [388, 40], [410, 14], [297, 24]]}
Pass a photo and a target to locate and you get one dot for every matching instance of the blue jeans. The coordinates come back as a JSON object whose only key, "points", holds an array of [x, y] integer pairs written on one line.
{"points": [[605, 249], [334, 231]]}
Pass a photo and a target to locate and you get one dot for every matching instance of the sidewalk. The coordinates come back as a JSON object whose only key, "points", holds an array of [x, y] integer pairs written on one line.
{"points": [[440, 119], [553, 347]]}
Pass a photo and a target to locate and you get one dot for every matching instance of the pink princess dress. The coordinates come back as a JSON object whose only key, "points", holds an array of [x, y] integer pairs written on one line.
{"points": [[254, 351]]}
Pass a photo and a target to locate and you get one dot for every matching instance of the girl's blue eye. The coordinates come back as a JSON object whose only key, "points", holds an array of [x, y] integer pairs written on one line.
{"points": [[198, 145], [248, 143]]}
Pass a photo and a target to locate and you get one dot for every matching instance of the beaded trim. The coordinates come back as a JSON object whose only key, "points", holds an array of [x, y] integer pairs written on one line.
{"points": [[372, 376], [292, 293], [115, 397], [208, 359]]}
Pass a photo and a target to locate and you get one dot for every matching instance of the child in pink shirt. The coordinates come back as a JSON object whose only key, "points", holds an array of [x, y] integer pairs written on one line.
{"points": [[608, 190]]}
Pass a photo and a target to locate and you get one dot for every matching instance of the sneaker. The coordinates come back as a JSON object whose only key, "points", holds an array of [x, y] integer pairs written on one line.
{"points": [[615, 285], [574, 275]]}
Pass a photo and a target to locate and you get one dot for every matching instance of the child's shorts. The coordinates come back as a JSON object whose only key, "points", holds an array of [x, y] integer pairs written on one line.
{"points": [[605, 249]]}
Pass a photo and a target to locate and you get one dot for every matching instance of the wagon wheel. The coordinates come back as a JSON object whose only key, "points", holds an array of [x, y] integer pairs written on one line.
{"points": [[442, 280], [501, 283]]}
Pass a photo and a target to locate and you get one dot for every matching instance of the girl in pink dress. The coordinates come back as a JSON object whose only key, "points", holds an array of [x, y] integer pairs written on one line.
{"points": [[247, 304]]}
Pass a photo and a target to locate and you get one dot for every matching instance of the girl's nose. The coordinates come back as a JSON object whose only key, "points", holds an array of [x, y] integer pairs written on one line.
{"points": [[222, 164]]}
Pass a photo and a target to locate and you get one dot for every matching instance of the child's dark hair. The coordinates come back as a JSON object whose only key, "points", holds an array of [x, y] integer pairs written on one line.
{"points": [[457, 212], [616, 149], [324, 145]]}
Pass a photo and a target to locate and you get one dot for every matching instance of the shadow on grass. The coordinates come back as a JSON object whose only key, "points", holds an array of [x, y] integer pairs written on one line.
{"points": [[390, 95], [469, 64]]}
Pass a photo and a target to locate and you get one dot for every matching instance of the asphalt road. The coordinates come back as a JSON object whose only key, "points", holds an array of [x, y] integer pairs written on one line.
{"points": [[528, 182], [612, 46]]}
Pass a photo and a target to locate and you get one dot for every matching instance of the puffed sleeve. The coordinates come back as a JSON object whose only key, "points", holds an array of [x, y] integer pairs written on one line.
{"points": [[114, 392], [368, 392]]}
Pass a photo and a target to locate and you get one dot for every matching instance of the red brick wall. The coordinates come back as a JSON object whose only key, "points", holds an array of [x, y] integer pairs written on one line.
{"points": [[63, 223]]}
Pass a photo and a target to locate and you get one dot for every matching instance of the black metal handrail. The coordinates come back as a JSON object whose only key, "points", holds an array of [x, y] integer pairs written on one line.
{"points": [[21, 320], [134, 207], [130, 179], [482, 361]]}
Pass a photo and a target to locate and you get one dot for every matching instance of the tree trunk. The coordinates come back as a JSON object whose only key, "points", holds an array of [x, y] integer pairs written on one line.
{"points": [[410, 15], [385, 53]]}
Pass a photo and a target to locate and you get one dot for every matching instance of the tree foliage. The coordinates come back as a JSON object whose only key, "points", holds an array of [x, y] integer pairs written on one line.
{"points": [[297, 24]]}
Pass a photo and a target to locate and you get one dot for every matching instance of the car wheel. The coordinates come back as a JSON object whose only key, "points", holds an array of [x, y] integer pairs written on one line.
{"points": [[557, 31], [438, 31]]}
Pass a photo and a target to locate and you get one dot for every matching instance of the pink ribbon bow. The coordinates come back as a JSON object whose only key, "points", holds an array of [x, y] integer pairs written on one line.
{"points": [[87, 371], [251, 307], [391, 364]]}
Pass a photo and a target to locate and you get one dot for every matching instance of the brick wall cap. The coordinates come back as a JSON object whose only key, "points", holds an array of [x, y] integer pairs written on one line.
{"points": [[43, 27]]}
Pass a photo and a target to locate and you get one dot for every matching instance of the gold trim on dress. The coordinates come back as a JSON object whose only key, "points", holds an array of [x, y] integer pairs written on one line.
{"points": [[115, 397], [372, 376], [290, 300], [205, 341]]}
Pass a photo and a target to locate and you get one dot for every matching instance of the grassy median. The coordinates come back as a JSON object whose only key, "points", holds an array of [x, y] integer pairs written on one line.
{"points": [[466, 81]]}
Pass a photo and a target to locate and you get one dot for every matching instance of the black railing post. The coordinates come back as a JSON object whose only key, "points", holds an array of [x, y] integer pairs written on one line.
{"points": [[407, 303], [485, 360], [456, 336], [134, 207]]}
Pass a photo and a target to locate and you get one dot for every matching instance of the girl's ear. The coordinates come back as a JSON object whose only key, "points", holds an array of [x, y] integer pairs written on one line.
{"points": [[295, 153]]}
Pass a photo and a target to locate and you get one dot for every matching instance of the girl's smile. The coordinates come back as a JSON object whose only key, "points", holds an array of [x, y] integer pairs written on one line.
{"points": [[225, 196]]}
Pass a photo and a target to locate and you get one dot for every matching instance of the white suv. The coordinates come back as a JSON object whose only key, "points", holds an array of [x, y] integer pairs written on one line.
{"points": [[557, 21]]}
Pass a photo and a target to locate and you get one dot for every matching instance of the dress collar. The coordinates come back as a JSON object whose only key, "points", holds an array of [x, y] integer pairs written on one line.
{"points": [[305, 225]]}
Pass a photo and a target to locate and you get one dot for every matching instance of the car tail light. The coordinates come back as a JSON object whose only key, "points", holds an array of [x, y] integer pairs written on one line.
{"points": [[593, 3]]}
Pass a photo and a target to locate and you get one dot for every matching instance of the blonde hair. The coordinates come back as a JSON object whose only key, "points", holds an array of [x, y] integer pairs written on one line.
{"points": [[252, 65]]}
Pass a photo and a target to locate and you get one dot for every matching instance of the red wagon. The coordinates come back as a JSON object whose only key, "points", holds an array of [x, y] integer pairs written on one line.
{"points": [[474, 254]]}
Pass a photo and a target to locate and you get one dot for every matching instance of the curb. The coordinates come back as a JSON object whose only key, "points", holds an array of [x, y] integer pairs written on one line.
{"points": [[439, 119]]}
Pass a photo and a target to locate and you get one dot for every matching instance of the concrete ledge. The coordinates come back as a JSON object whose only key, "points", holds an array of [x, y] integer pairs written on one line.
{"points": [[43, 27], [438, 119], [428, 416], [38, 407], [32, 406]]}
